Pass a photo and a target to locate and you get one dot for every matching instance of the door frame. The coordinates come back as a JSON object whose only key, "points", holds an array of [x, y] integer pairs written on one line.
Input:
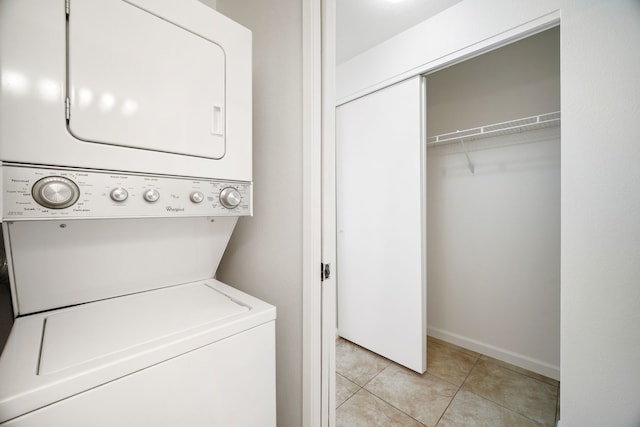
{"points": [[318, 219], [328, 216]]}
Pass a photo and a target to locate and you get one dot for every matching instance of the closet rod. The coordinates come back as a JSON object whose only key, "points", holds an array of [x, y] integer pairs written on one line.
{"points": [[519, 125]]}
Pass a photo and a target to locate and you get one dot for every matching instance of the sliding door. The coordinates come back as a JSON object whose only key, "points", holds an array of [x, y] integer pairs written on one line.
{"points": [[381, 215]]}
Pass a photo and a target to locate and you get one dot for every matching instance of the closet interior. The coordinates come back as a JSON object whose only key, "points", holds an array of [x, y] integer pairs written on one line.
{"points": [[493, 203]]}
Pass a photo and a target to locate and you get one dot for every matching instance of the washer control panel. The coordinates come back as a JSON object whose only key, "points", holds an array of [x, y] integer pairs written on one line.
{"points": [[37, 193]]}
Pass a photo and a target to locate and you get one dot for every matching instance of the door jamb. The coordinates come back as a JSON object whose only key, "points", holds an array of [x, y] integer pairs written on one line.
{"points": [[318, 93], [328, 217]]}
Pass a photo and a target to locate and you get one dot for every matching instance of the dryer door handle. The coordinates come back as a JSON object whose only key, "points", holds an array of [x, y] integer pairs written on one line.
{"points": [[217, 120]]}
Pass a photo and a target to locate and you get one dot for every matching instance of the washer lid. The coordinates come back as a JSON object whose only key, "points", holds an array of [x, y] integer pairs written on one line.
{"points": [[140, 80], [93, 331]]}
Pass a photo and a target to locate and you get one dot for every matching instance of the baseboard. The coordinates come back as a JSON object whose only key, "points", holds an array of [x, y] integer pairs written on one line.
{"points": [[516, 359]]}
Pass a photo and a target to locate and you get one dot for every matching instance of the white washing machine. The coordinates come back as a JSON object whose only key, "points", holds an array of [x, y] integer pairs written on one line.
{"points": [[119, 321], [125, 149]]}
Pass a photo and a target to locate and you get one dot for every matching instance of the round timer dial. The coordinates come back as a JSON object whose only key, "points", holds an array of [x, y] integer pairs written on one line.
{"points": [[230, 197], [55, 192]]}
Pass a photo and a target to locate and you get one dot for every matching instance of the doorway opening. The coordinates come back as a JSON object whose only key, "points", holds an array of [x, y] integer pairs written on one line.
{"points": [[492, 233]]}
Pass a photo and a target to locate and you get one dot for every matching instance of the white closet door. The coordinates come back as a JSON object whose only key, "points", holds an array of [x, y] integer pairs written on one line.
{"points": [[381, 211]]}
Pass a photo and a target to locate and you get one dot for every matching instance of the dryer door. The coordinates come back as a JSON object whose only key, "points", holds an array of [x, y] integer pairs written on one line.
{"points": [[141, 81]]}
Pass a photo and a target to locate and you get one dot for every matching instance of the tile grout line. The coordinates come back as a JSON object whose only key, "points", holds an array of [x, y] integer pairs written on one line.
{"points": [[395, 407], [506, 365], [352, 394], [433, 375], [361, 387], [391, 362], [457, 391], [507, 408], [351, 380], [494, 402], [379, 372], [517, 370]]}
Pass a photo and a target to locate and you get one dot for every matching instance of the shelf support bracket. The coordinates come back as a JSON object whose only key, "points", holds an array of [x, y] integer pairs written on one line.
{"points": [[466, 153]]}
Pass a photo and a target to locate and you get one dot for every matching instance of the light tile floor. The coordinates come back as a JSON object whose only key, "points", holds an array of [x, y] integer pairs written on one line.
{"points": [[461, 388]]}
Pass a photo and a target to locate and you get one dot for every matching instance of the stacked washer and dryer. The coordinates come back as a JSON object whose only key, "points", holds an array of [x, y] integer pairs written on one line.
{"points": [[125, 141]]}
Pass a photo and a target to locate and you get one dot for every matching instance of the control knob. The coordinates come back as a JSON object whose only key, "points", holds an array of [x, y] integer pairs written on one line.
{"points": [[151, 195], [230, 197], [119, 194], [196, 196], [55, 192]]}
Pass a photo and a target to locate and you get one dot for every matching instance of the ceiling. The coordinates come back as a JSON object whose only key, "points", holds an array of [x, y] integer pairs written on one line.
{"points": [[362, 24]]}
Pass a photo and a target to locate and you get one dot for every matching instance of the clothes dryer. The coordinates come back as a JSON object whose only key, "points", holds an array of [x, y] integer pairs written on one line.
{"points": [[153, 86]]}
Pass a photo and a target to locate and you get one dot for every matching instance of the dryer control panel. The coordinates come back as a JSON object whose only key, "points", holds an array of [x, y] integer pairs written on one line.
{"points": [[55, 193]]}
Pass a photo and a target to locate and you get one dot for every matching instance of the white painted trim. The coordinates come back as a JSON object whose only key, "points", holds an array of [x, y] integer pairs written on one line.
{"points": [[423, 213], [311, 212], [516, 359], [328, 212], [503, 38]]}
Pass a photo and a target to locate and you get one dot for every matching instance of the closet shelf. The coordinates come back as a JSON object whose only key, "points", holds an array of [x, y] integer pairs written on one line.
{"points": [[504, 128]]}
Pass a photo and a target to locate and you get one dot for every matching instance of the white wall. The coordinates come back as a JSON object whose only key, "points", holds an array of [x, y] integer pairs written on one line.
{"points": [[264, 257], [210, 3], [494, 248], [456, 32], [519, 80], [600, 213], [494, 235]]}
